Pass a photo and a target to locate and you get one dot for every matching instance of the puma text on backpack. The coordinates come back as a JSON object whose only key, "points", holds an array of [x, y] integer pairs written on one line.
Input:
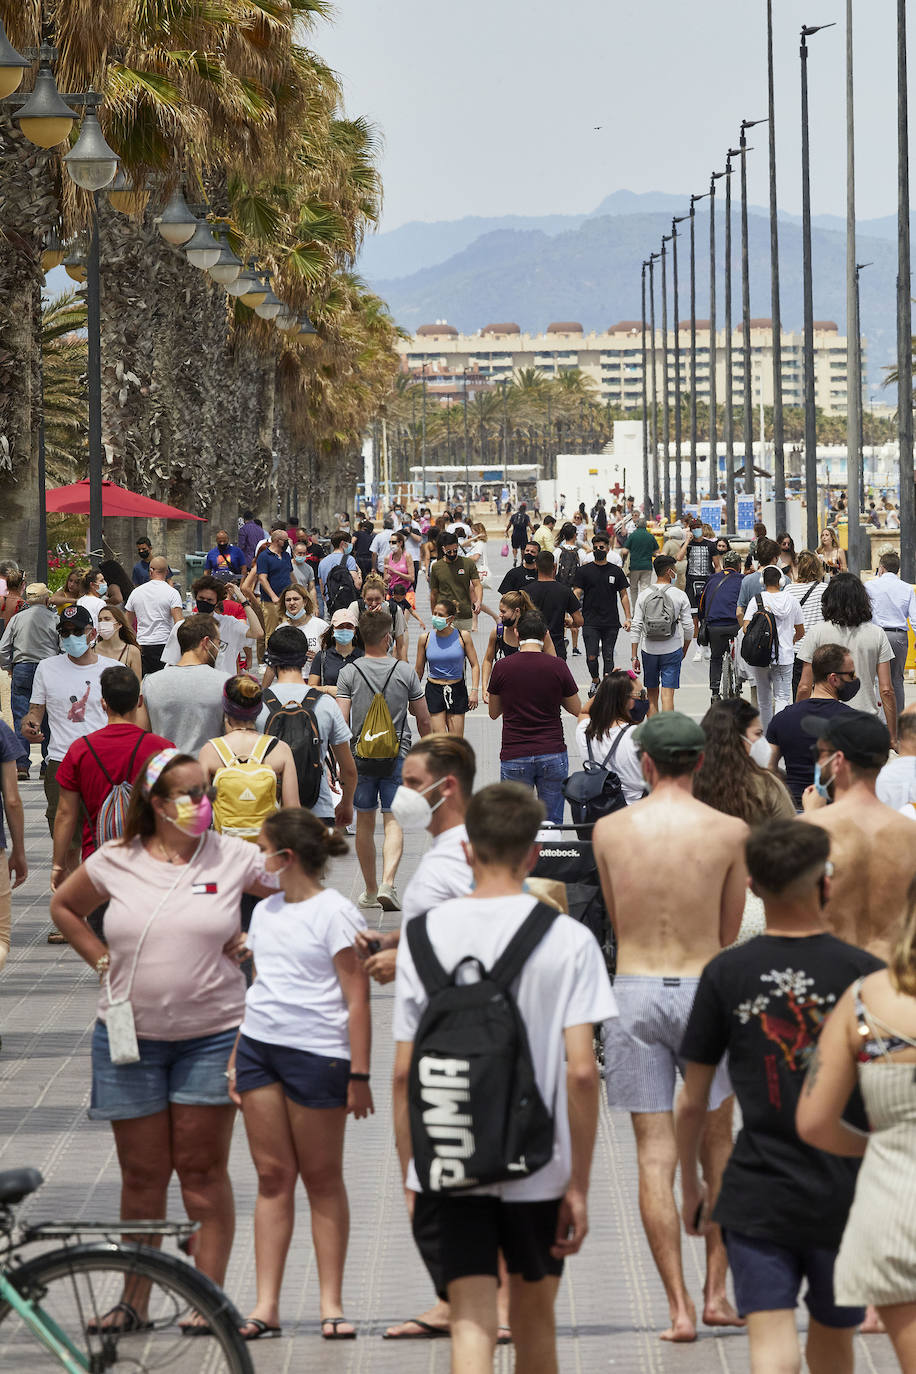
{"points": [[476, 1113], [109, 823], [294, 722], [246, 789], [378, 744], [659, 613], [568, 567], [760, 646], [339, 588]]}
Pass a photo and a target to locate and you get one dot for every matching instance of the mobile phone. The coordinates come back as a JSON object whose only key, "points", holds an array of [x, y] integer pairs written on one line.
{"points": [[374, 946]]}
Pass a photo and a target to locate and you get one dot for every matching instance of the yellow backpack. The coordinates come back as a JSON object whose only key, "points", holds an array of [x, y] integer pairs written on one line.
{"points": [[246, 789], [378, 744]]}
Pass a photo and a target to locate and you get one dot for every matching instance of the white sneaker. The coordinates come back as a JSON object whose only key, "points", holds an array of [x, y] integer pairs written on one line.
{"points": [[707, 651], [365, 900], [697, 655], [388, 897]]}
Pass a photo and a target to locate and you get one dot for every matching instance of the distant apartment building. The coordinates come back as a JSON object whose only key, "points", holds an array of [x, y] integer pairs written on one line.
{"points": [[614, 359]]}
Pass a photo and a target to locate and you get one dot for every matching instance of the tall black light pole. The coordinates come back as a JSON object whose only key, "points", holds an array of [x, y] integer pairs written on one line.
{"points": [[693, 351], [653, 420], [647, 499], [731, 514], [713, 355], [859, 442], [424, 432], [746, 314], [678, 476], [854, 450], [467, 476], [811, 501], [666, 421], [779, 452], [904, 314]]}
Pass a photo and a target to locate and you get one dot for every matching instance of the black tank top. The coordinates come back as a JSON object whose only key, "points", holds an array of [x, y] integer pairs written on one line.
{"points": [[503, 650]]}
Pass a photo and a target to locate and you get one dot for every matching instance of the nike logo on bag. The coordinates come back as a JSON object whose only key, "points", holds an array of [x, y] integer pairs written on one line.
{"points": [[381, 734]]}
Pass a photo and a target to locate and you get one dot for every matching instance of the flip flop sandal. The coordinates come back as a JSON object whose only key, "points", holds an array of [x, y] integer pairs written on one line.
{"points": [[262, 1330], [335, 1335], [427, 1332], [504, 1336], [132, 1322], [194, 1329]]}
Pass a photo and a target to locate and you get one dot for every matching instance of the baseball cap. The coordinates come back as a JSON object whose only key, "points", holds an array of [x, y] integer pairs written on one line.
{"points": [[669, 734], [343, 617], [36, 591], [731, 559], [73, 619], [863, 739]]}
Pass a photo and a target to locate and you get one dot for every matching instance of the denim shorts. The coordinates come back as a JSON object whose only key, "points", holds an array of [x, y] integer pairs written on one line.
{"points": [[662, 668], [311, 1080], [768, 1278], [370, 792], [191, 1073]]}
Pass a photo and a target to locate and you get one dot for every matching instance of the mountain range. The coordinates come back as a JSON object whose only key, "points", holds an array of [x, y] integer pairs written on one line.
{"points": [[533, 270]]}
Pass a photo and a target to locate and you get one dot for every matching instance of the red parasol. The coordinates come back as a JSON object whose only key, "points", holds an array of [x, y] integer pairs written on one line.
{"points": [[116, 501]]}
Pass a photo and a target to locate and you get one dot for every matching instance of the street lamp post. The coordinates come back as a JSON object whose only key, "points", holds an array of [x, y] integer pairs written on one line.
{"points": [[467, 479], [731, 515], [653, 419], [666, 422], [713, 350], [779, 453], [854, 451], [904, 314], [693, 351], [423, 440], [859, 441], [678, 476], [746, 313], [647, 500], [810, 413]]}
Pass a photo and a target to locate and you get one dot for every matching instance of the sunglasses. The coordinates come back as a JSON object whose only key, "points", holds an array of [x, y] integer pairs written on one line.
{"points": [[194, 794]]}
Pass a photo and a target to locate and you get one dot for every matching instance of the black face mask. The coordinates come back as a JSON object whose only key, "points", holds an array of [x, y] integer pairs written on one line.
{"points": [[206, 607], [144, 555], [600, 555], [639, 710], [529, 559], [221, 546], [451, 554], [847, 690]]}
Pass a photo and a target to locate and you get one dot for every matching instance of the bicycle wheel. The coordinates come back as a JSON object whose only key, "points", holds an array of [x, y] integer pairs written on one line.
{"points": [[731, 683], [76, 1286]]}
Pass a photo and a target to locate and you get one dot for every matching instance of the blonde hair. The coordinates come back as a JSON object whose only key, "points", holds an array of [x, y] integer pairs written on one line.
{"points": [[374, 582], [517, 601], [902, 964]]}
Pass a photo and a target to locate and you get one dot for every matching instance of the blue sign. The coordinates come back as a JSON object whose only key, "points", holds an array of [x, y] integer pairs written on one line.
{"points": [[711, 514], [746, 515]]}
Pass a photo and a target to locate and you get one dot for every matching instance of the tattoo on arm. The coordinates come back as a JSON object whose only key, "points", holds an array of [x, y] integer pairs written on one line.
{"points": [[814, 1067]]}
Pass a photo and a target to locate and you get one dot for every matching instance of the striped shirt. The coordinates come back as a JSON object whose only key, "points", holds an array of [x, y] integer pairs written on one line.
{"points": [[811, 610]]}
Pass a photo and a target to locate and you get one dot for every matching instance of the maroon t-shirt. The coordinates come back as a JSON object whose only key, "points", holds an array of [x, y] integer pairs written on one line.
{"points": [[79, 772], [532, 688]]}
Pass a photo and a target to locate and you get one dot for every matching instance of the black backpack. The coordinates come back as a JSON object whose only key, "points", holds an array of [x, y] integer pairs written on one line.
{"points": [[597, 791], [476, 1113], [294, 722], [568, 567], [339, 588], [760, 646]]}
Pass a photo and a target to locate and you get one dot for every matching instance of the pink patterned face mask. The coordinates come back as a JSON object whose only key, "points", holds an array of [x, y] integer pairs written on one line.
{"points": [[193, 817]]}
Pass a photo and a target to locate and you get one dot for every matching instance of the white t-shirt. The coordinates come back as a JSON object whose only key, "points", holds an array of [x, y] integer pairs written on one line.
{"points": [[332, 729], [625, 762], [234, 635], [381, 546], [563, 984], [787, 613], [896, 785], [612, 557], [869, 646], [683, 629], [153, 604], [441, 874], [296, 998], [71, 694], [413, 543], [93, 604]]}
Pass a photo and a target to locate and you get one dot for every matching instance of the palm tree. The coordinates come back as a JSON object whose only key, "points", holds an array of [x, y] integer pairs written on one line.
{"points": [[63, 353]]}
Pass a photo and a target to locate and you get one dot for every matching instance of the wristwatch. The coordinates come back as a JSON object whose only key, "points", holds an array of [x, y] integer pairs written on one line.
{"points": [[103, 964]]}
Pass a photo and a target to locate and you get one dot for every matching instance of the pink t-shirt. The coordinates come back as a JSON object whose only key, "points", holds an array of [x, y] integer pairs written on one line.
{"points": [[184, 985]]}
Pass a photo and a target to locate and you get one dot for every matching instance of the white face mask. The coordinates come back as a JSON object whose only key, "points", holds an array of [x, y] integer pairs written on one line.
{"points": [[758, 749], [410, 808], [107, 629]]}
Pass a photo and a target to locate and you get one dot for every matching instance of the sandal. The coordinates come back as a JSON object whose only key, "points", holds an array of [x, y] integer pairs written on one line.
{"points": [[335, 1335], [427, 1332], [132, 1322], [503, 1336], [262, 1330], [195, 1329]]}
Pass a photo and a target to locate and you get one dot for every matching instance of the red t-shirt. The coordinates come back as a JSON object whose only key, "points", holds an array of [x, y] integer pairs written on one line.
{"points": [[79, 772], [532, 688], [234, 609]]}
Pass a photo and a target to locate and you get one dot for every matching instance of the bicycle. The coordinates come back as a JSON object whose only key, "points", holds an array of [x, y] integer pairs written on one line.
{"points": [[102, 1301], [730, 684]]}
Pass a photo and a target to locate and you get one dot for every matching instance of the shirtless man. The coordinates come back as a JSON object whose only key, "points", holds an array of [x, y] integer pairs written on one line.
{"points": [[873, 847], [669, 843]]}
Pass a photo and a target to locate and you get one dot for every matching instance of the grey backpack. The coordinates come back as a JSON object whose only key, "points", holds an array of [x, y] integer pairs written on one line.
{"points": [[659, 613]]}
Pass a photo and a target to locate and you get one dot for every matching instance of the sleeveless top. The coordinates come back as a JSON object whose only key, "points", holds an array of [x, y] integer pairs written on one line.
{"points": [[402, 567], [445, 655], [503, 650]]}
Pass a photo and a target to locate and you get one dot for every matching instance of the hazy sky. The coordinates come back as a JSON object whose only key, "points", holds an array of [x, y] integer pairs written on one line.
{"points": [[488, 106]]}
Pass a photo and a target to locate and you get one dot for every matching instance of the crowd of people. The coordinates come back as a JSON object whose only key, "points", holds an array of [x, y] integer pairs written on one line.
{"points": [[205, 758]]}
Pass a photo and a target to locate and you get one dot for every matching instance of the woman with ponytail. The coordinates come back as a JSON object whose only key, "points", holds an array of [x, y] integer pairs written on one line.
{"points": [[301, 1063], [238, 761]]}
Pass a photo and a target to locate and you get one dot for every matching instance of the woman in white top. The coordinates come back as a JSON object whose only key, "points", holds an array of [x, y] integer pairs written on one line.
{"points": [[117, 640], [301, 1063], [297, 608], [774, 682], [607, 720], [95, 592], [809, 586]]}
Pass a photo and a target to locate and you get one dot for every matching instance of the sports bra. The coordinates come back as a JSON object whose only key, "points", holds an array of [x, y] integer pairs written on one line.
{"points": [[503, 650], [873, 1044]]}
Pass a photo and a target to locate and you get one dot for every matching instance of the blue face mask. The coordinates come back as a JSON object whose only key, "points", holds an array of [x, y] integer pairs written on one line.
{"points": [[300, 559], [639, 710], [74, 645], [295, 615], [344, 636], [345, 548], [822, 788], [439, 622], [102, 589]]}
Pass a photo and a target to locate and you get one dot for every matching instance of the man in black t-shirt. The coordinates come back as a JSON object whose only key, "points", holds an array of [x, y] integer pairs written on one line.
{"points": [[699, 553], [834, 672], [782, 1204], [554, 601], [598, 585], [520, 528], [517, 579]]}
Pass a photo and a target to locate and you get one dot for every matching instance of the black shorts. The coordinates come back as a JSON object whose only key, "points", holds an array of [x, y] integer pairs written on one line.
{"points": [[310, 1080], [473, 1230], [452, 698]]}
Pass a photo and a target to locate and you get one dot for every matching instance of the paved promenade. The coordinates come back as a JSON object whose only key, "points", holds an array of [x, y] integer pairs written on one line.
{"points": [[611, 1306]]}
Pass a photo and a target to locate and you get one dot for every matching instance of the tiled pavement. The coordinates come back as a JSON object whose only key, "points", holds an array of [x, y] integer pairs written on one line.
{"points": [[610, 1307]]}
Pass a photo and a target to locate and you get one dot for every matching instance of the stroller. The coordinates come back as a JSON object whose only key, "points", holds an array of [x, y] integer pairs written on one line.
{"points": [[566, 857]]}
